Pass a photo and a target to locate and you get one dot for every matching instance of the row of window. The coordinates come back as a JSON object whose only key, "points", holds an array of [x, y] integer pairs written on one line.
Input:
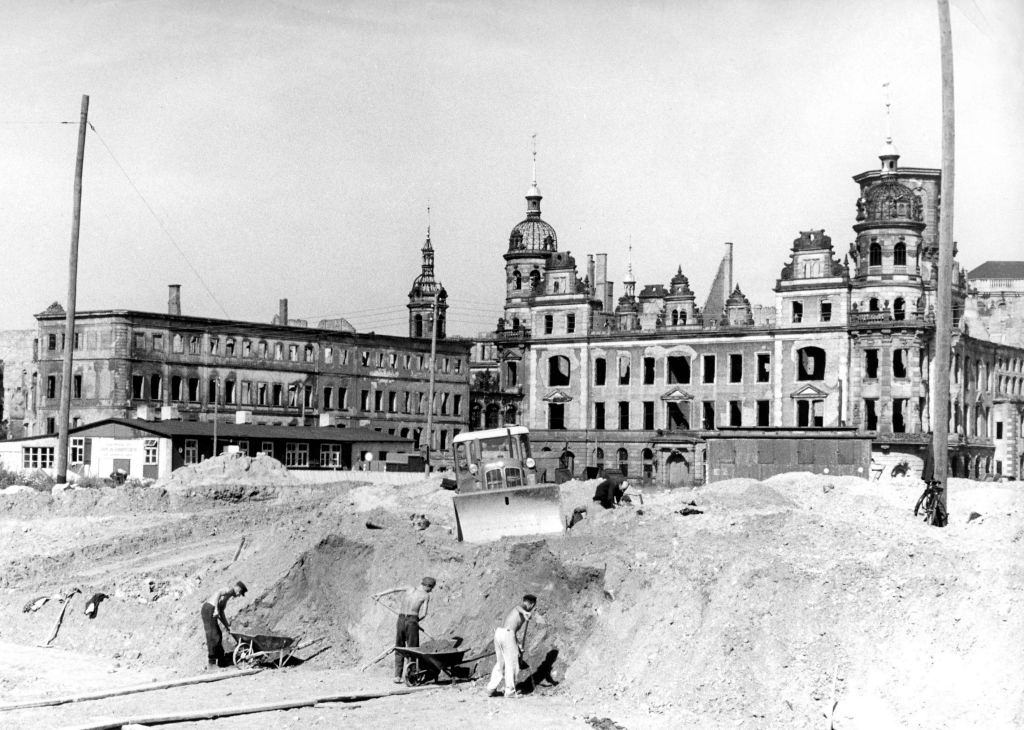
{"points": [[295, 395], [810, 413], [676, 369], [292, 352]]}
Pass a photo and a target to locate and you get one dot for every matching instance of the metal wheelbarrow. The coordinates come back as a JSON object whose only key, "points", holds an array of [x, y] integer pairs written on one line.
{"points": [[427, 664], [253, 650]]}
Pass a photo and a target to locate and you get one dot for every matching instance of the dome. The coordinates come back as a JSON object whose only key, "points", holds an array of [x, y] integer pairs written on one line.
{"points": [[889, 199], [424, 286], [533, 234], [680, 285]]}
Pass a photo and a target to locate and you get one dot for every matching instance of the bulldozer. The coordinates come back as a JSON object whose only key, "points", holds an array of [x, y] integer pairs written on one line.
{"points": [[497, 493]]}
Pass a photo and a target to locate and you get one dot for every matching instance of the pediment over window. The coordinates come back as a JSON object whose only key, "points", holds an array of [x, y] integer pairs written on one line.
{"points": [[809, 391], [557, 396], [677, 394]]}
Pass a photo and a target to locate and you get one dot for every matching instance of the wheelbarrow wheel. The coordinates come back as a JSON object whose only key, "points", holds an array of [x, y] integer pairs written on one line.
{"points": [[243, 655], [414, 675]]}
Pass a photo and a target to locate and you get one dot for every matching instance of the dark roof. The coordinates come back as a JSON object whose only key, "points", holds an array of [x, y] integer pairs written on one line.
{"points": [[169, 429], [998, 270]]}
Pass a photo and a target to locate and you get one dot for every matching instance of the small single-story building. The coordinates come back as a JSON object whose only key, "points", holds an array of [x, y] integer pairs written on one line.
{"points": [[759, 453], [153, 449]]}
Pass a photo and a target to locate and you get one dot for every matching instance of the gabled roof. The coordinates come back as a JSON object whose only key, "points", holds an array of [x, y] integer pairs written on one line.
{"points": [[171, 429], [998, 270]]}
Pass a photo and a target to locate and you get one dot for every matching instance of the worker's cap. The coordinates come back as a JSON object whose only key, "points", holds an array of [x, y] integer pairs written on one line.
{"points": [[241, 588], [429, 582]]}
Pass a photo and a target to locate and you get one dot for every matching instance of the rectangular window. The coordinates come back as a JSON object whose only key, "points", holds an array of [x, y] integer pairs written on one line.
{"points": [[512, 371], [293, 353], [328, 354], [999, 429], [735, 413], [648, 415], [677, 416], [246, 393], [871, 364], [261, 349], [77, 451], [246, 348], [600, 371], [364, 400], [37, 457], [328, 398], [76, 386], [764, 412], [278, 351], [798, 312], [678, 369], [826, 311], [623, 370], [229, 392], [598, 416], [296, 455], [193, 345], [624, 415], [342, 398], [138, 386], [212, 391], [261, 394], [51, 386], [406, 402], [378, 400], [457, 405], [150, 453], [307, 396], [158, 343], [764, 367], [570, 323], [708, 415], [330, 456], [277, 394], [556, 416], [871, 414], [243, 448], [648, 371], [735, 368], [267, 447], [193, 390], [549, 323], [900, 356], [214, 345], [191, 451], [393, 402], [899, 410], [51, 342], [709, 369], [139, 340], [293, 396]]}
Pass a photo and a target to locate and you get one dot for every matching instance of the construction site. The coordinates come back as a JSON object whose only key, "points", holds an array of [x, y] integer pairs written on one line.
{"points": [[802, 601]]}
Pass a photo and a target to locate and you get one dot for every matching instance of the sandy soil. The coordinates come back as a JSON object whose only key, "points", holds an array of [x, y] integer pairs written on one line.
{"points": [[781, 600]]}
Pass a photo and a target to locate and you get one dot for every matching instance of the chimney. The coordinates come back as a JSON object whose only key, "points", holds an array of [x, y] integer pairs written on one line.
{"points": [[174, 299], [590, 274], [282, 315], [601, 280]]}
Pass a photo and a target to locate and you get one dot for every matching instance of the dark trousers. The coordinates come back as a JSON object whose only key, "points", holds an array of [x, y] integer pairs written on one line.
{"points": [[214, 648], [407, 633]]}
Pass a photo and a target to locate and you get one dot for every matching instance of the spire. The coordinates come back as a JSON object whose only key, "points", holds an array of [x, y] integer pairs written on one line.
{"points": [[630, 282], [534, 159], [889, 154], [533, 195]]}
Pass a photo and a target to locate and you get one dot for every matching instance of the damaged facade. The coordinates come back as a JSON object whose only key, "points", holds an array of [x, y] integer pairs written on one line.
{"points": [[638, 384]]}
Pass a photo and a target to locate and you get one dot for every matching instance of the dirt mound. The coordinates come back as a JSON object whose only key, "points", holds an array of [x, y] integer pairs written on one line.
{"points": [[230, 478]]}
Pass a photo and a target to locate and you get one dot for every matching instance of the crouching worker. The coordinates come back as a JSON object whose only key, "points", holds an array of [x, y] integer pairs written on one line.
{"points": [[508, 646], [212, 612], [609, 493], [415, 603]]}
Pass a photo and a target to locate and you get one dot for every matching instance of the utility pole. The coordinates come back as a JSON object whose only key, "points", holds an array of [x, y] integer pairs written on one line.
{"points": [[69, 323], [430, 389], [944, 295]]}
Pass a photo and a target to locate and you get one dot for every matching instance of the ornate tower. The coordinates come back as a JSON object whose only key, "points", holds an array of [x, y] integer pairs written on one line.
{"points": [[422, 295]]}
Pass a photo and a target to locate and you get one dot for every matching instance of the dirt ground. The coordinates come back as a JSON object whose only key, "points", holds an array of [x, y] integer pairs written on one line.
{"points": [[798, 602]]}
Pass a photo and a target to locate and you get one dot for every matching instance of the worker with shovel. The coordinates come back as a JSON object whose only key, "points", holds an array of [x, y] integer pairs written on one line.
{"points": [[508, 647], [415, 603], [212, 612]]}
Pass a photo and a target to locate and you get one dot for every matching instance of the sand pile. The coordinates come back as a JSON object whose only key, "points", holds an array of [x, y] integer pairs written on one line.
{"points": [[230, 477]]}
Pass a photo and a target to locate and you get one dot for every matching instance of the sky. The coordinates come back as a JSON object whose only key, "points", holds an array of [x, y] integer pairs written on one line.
{"points": [[253, 151]]}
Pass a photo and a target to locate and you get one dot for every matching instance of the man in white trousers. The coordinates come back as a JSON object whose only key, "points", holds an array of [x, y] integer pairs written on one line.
{"points": [[508, 646]]}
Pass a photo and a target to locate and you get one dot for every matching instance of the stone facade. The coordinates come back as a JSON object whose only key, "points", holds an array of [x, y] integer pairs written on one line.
{"points": [[638, 385], [19, 382]]}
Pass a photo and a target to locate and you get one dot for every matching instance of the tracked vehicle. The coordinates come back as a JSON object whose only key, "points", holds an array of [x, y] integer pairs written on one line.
{"points": [[497, 491]]}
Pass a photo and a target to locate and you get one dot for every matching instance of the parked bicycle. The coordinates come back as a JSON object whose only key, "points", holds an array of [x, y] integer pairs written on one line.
{"points": [[931, 504]]}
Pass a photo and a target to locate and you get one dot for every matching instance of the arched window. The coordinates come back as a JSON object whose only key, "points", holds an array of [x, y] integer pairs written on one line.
{"points": [[675, 317], [515, 323], [811, 363], [417, 325], [517, 280], [535, 280], [682, 317], [899, 254], [599, 458], [155, 387], [875, 255], [899, 308], [623, 458], [647, 457], [559, 370], [873, 304]]}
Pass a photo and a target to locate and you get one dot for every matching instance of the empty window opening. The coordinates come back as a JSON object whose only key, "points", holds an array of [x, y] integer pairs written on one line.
{"points": [[558, 370], [512, 369], [798, 312], [678, 369], [570, 323], [875, 255], [899, 415], [549, 324], [735, 368], [623, 370], [676, 417], [763, 413], [764, 367], [76, 386], [899, 309], [899, 254], [599, 416], [623, 458], [624, 415], [648, 415], [708, 415], [709, 368], [556, 416], [155, 387], [648, 371], [193, 390], [810, 413], [810, 363], [900, 357], [826, 311], [871, 364], [735, 413], [600, 371], [871, 414]]}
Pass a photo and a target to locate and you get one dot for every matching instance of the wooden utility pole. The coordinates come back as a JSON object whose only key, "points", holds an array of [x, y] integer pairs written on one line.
{"points": [[944, 303], [69, 323], [430, 389]]}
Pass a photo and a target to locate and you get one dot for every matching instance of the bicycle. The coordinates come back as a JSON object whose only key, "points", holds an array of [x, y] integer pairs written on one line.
{"points": [[934, 512]]}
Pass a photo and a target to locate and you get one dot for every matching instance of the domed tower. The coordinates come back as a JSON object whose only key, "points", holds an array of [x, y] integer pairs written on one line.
{"points": [[680, 304], [737, 309], [422, 298]]}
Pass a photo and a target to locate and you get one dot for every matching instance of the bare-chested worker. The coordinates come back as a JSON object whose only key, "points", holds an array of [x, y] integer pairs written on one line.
{"points": [[415, 603], [212, 612], [508, 646]]}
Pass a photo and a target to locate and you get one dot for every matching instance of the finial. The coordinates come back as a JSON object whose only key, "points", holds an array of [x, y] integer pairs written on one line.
{"points": [[428, 220], [629, 258], [535, 159], [888, 115]]}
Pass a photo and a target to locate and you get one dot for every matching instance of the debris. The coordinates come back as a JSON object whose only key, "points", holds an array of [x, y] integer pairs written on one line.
{"points": [[689, 509], [93, 605], [974, 516], [826, 488], [603, 723], [60, 619], [371, 525], [239, 550], [34, 604]]}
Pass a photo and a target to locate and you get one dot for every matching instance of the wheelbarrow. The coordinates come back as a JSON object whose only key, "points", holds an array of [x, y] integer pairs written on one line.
{"points": [[254, 650], [428, 663]]}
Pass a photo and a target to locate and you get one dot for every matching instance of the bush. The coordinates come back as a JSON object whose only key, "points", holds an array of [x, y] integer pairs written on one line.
{"points": [[40, 481], [8, 477], [93, 483]]}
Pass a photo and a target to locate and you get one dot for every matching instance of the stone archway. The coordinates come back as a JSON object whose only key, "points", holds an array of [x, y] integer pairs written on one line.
{"points": [[678, 470]]}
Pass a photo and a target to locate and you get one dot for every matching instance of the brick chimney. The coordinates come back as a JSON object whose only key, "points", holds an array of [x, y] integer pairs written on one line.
{"points": [[174, 299], [282, 315]]}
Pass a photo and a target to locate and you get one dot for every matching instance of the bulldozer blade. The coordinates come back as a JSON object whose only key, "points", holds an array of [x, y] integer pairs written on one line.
{"points": [[496, 513]]}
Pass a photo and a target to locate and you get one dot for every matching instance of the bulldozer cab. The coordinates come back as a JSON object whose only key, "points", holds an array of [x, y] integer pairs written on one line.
{"points": [[497, 491], [498, 458]]}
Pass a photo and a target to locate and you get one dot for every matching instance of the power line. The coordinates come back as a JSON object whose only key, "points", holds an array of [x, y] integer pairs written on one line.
{"points": [[158, 220]]}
